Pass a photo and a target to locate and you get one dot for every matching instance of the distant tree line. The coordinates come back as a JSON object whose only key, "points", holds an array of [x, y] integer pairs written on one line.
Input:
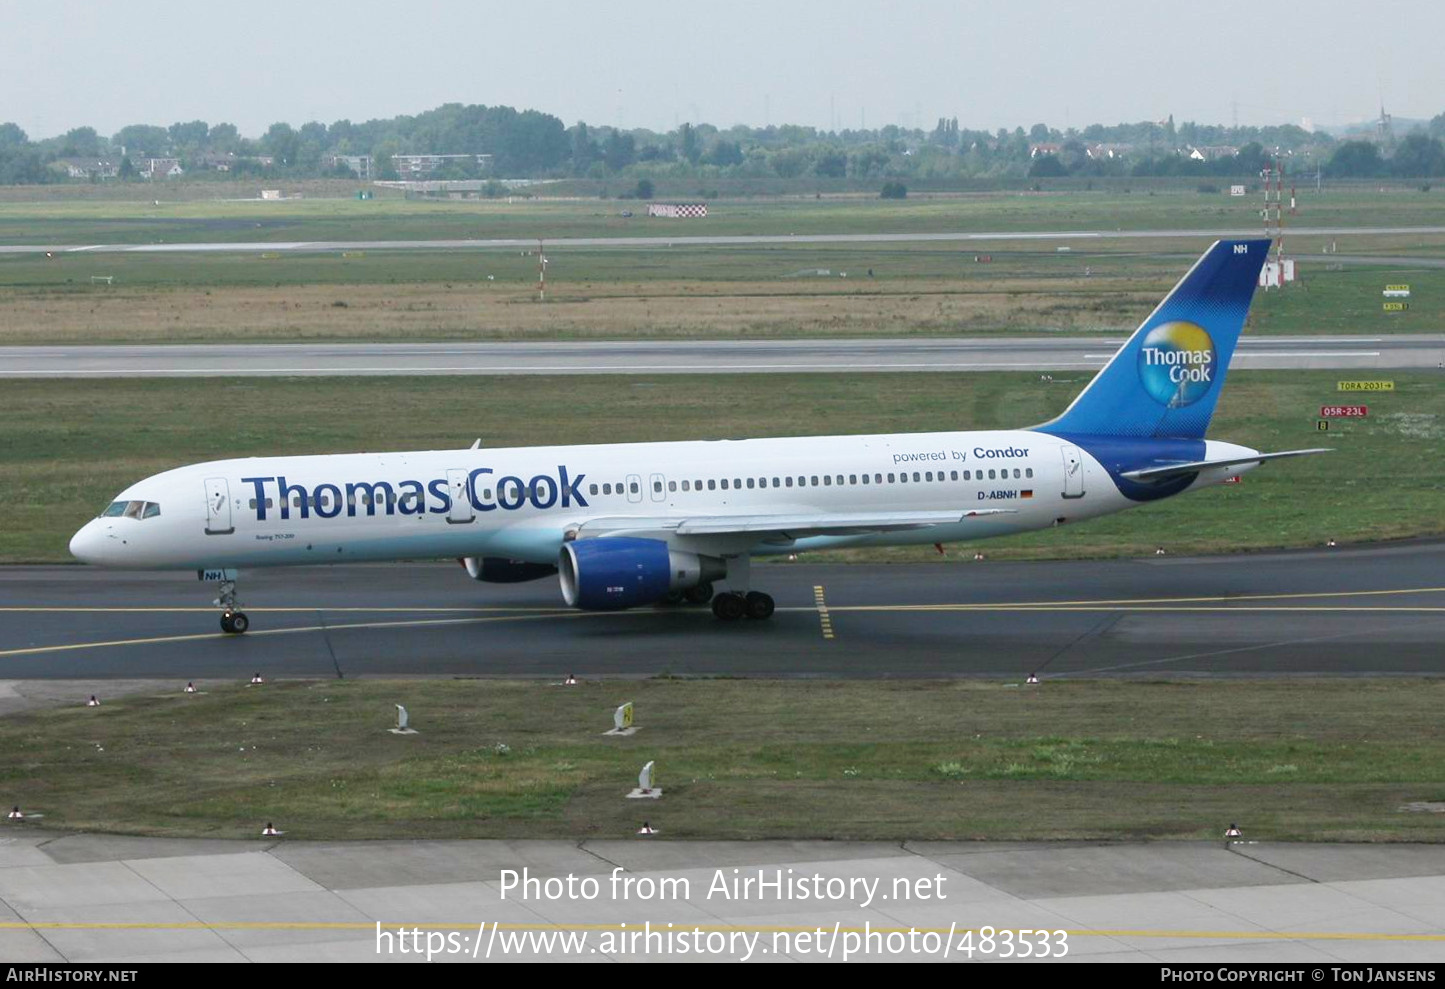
{"points": [[532, 144]]}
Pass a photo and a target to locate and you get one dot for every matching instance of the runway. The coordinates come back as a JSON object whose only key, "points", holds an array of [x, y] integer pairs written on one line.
{"points": [[694, 240], [1371, 610], [1037, 353]]}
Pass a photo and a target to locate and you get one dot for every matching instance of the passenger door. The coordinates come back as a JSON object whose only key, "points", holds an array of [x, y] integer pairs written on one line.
{"points": [[461, 510], [218, 507], [634, 488], [1073, 472], [659, 488]]}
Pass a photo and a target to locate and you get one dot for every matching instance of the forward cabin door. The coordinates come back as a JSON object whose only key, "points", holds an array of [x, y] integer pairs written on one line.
{"points": [[1073, 472], [634, 488], [218, 507], [461, 510], [659, 488]]}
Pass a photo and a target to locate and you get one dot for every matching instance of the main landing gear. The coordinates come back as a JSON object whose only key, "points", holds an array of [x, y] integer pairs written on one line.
{"points": [[233, 620], [728, 606], [731, 606]]}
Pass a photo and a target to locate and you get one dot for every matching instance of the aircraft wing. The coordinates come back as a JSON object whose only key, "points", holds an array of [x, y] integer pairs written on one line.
{"points": [[790, 526], [1195, 466]]}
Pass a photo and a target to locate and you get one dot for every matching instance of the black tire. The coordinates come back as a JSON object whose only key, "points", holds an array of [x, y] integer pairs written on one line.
{"points": [[729, 607], [226, 624], [701, 594], [759, 606], [672, 598], [239, 623]]}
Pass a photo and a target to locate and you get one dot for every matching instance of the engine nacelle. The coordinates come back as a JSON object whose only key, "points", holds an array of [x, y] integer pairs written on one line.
{"points": [[500, 570], [615, 572]]}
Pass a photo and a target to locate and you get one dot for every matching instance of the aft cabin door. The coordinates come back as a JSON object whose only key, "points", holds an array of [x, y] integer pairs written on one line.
{"points": [[218, 507], [1073, 472], [461, 510]]}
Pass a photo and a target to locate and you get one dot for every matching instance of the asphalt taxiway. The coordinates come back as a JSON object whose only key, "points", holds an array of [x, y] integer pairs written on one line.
{"points": [[1037, 353], [104, 898], [1347, 611]]}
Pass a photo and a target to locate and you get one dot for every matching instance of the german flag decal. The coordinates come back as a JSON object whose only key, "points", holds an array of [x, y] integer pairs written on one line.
{"points": [[1026, 493]]}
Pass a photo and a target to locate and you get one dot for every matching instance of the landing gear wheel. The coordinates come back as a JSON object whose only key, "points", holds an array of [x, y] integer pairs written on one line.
{"points": [[235, 623], [759, 606], [226, 624], [729, 607], [673, 598], [701, 594]]}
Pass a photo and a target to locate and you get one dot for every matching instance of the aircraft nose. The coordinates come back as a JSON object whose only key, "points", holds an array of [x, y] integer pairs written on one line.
{"points": [[86, 544]]}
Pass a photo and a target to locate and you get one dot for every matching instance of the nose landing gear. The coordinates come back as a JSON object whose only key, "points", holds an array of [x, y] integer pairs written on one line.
{"points": [[233, 620]]}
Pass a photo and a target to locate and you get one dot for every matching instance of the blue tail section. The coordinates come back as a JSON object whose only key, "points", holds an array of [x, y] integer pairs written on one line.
{"points": [[1165, 381]]}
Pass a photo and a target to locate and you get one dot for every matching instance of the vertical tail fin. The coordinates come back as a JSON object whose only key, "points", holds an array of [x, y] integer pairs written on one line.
{"points": [[1166, 379]]}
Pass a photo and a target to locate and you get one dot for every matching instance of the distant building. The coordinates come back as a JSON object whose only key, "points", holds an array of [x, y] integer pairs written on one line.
{"points": [[421, 166], [360, 165], [161, 168], [1108, 152], [88, 168], [1044, 149], [1213, 152]]}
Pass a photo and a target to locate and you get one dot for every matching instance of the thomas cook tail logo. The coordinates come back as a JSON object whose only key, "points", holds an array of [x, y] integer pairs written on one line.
{"points": [[1177, 363]]}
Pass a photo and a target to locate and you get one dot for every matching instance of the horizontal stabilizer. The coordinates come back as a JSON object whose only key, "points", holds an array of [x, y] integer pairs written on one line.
{"points": [[1194, 467]]}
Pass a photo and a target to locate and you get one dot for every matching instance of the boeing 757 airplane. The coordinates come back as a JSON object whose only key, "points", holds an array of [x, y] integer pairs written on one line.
{"points": [[629, 524]]}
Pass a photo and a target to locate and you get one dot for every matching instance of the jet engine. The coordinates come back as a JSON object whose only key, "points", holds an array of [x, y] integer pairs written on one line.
{"points": [[614, 572]]}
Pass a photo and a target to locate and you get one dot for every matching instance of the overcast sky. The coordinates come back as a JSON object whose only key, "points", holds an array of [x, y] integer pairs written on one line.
{"points": [[645, 63]]}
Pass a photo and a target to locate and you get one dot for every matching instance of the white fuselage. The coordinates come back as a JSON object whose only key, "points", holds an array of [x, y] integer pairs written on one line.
{"points": [[522, 503]]}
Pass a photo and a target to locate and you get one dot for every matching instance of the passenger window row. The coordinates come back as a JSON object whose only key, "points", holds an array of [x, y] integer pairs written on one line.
{"points": [[816, 480]]}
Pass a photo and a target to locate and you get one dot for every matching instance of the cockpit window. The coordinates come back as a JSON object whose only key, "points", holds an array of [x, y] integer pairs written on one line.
{"points": [[131, 510]]}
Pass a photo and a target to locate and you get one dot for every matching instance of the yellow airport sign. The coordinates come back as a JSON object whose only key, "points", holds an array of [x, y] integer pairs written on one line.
{"points": [[1367, 386], [1396, 306]]}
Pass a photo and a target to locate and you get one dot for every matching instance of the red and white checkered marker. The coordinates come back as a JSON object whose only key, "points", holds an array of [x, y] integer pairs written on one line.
{"points": [[190, 687], [1233, 831], [571, 681], [93, 702], [269, 831], [1032, 678], [15, 814], [258, 678], [646, 829]]}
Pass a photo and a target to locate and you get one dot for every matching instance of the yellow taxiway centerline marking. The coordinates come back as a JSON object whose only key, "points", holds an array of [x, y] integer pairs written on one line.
{"points": [[345, 925], [145, 609], [1164, 610], [157, 640], [825, 620]]}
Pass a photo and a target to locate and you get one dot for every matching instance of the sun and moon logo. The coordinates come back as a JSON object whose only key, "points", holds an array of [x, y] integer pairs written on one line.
{"points": [[1177, 363]]}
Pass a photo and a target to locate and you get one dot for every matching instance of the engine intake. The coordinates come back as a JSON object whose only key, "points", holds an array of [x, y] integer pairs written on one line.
{"points": [[615, 572], [500, 570]]}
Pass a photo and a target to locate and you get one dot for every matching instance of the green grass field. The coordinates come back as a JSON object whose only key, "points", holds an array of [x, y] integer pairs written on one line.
{"points": [[1318, 760], [682, 293], [67, 447]]}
